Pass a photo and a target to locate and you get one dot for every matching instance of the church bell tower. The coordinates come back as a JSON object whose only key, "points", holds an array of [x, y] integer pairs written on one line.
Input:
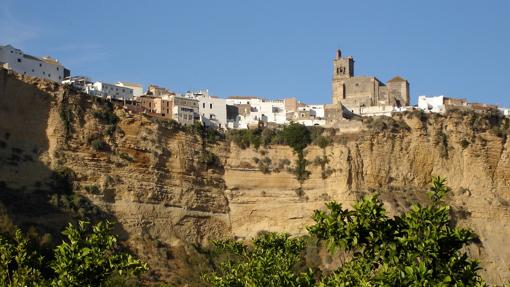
{"points": [[343, 68]]}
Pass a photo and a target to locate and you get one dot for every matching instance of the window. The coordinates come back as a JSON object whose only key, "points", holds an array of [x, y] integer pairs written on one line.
{"points": [[210, 106], [203, 105], [40, 65], [59, 77], [33, 70], [49, 75], [19, 60], [44, 73], [57, 69], [11, 51]]}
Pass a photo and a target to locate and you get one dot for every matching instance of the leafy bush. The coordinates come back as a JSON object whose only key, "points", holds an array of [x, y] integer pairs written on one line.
{"points": [[321, 141], [89, 256], [270, 261], [418, 248], [264, 165], [296, 136]]}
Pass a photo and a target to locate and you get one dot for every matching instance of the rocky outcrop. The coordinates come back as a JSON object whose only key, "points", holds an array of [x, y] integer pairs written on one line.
{"points": [[171, 192]]}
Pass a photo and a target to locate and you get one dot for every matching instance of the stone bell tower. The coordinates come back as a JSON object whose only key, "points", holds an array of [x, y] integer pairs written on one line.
{"points": [[343, 68]]}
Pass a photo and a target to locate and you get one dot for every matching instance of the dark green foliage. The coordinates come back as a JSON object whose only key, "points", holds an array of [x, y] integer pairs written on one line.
{"points": [[300, 170], [297, 136], [323, 163], [418, 248], [246, 138], [63, 180], [125, 157], [88, 257], [441, 141], [93, 189], [75, 204], [106, 116], [210, 159], [464, 143], [99, 145], [382, 124], [67, 118], [419, 114], [264, 165], [271, 261], [209, 135], [322, 141]]}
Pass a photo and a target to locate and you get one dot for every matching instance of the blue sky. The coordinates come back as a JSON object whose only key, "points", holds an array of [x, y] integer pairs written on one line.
{"points": [[273, 49]]}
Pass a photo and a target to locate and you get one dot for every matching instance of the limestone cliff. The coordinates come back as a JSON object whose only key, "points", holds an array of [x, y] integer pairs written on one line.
{"points": [[171, 192]]}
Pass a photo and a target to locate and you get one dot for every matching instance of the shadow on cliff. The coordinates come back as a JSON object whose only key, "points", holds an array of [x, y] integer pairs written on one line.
{"points": [[33, 196]]}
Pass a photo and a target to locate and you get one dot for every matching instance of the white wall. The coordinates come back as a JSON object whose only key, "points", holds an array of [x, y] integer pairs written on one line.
{"points": [[112, 91], [506, 111], [44, 68], [272, 111], [137, 88], [318, 110], [431, 104], [213, 111]]}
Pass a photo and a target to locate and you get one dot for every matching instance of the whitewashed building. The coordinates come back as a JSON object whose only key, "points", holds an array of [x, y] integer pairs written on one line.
{"points": [[505, 111], [253, 110], [79, 82], [212, 110], [110, 91], [137, 88], [431, 104], [439, 104], [45, 67]]}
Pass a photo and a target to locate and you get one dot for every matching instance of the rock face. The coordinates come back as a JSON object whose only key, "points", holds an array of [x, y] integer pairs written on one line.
{"points": [[172, 193]]}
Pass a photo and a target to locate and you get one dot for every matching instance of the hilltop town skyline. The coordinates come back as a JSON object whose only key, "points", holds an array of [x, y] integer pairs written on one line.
{"points": [[231, 51]]}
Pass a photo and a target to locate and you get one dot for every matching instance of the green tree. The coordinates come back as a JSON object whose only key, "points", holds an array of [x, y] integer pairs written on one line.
{"points": [[18, 265], [417, 248], [271, 261], [90, 255], [297, 136]]}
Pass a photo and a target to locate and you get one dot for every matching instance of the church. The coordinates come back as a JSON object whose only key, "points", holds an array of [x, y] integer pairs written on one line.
{"points": [[365, 91]]}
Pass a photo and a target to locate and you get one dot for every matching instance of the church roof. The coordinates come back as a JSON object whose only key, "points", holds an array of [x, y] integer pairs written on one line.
{"points": [[397, 79]]}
